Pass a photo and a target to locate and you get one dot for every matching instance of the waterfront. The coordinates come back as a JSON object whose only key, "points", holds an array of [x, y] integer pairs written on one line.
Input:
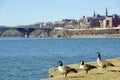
{"points": [[31, 58]]}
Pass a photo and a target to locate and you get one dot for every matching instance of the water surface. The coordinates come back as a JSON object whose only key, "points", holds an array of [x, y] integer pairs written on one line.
{"points": [[31, 58]]}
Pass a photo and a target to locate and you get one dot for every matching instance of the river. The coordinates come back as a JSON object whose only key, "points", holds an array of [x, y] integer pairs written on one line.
{"points": [[31, 58]]}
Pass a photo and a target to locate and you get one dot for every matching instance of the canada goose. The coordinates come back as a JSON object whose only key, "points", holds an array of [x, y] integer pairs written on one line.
{"points": [[103, 63], [86, 67], [65, 69]]}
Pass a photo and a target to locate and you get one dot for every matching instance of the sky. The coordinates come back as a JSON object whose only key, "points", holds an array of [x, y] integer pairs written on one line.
{"points": [[25, 12]]}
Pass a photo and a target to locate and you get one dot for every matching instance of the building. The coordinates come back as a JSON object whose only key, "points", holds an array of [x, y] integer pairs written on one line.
{"points": [[100, 21], [95, 21], [112, 21], [68, 21]]}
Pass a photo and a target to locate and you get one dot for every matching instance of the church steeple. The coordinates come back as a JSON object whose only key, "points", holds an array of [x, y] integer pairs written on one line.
{"points": [[94, 14], [106, 13]]}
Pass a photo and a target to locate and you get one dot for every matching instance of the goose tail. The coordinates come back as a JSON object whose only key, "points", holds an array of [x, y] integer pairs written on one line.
{"points": [[94, 67], [74, 70], [112, 65]]}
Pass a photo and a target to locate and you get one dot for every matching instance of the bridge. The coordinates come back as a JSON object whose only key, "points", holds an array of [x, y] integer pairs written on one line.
{"points": [[27, 31]]}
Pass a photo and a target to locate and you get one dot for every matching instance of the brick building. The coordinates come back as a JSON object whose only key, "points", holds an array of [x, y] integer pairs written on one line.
{"points": [[100, 21], [112, 21]]}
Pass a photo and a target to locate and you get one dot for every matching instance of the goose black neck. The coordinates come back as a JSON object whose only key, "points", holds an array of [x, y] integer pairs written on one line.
{"points": [[82, 62], [99, 56], [61, 64]]}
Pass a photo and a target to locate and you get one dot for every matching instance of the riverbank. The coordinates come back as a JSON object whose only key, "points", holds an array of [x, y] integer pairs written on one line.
{"points": [[97, 36], [87, 33], [112, 73]]}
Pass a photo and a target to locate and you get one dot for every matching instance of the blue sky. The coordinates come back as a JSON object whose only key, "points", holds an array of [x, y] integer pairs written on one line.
{"points": [[23, 12]]}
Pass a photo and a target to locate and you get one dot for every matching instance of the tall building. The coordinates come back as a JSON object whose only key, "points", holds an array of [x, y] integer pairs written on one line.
{"points": [[106, 12], [111, 20], [94, 14]]}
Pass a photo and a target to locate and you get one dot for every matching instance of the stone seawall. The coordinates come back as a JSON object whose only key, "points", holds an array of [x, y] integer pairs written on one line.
{"points": [[97, 36], [104, 33]]}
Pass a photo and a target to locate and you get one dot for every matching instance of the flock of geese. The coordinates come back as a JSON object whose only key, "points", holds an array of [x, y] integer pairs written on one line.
{"points": [[86, 67]]}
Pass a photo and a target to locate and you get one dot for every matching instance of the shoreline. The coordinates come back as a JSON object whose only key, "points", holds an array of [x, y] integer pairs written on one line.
{"points": [[97, 36], [112, 73]]}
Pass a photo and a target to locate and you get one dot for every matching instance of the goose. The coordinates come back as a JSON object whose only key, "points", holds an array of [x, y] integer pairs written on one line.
{"points": [[86, 67], [65, 69], [103, 63]]}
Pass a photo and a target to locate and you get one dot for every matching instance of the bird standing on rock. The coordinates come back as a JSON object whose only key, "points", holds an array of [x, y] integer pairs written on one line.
{"points": [[65, 69]]}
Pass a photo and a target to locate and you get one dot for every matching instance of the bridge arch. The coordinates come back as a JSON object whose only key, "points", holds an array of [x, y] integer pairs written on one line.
{"points": [[25, 32], [11, 33], [38, 33]]}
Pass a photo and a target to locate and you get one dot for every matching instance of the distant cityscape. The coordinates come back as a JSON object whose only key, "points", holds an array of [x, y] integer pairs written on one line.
{"points": [[98, 21]]}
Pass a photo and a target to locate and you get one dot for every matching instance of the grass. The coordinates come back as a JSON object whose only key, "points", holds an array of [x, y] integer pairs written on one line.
{"points": [[112, 73]]}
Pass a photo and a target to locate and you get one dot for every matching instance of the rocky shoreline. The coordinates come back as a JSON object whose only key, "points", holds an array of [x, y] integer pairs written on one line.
{"points": [[112, 73]]}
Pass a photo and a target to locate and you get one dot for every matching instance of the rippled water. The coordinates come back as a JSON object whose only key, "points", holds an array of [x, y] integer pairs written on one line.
{"points": [[30, 58]]}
